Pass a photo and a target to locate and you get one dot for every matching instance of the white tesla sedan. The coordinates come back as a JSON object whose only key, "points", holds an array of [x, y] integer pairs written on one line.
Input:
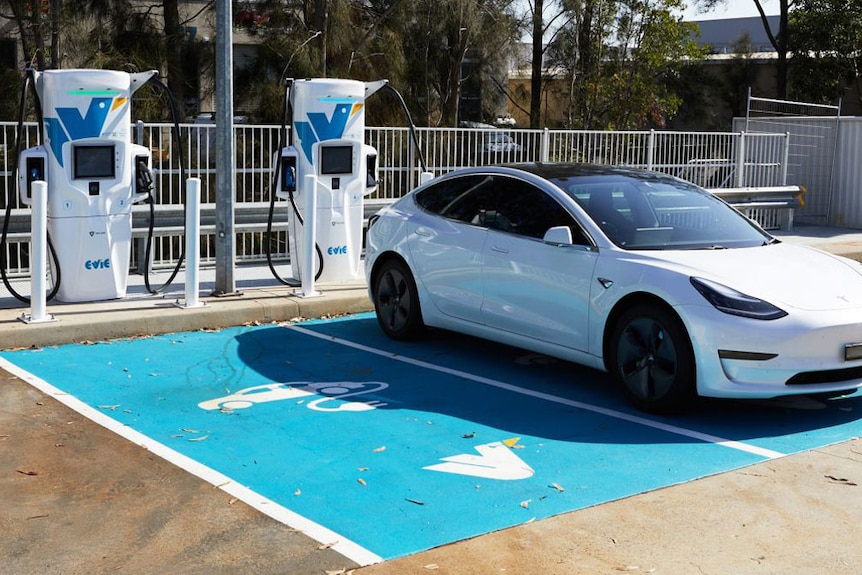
{"points": [[648, 277]]}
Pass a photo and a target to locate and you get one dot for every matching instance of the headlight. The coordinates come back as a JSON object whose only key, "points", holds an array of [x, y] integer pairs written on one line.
{"points": [[733, 302]]}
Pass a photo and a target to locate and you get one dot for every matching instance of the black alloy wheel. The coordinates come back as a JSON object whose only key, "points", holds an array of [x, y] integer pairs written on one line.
{"points": [[651, 359], [396, 301]]}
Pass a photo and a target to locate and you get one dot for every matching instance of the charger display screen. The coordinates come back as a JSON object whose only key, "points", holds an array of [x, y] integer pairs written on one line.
{"points": [[336, 160], [93, 162]]}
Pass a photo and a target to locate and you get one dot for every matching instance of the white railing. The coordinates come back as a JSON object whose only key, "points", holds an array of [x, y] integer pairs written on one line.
{"points": [[710, 159]]}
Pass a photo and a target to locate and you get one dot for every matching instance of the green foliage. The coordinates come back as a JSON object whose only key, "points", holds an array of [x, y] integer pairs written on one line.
{"points": [[826, 45], [418, 46], [623, 61], [626, 62]]}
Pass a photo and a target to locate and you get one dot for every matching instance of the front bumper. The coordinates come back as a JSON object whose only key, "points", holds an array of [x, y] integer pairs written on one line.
{"points": [[804, 352]]}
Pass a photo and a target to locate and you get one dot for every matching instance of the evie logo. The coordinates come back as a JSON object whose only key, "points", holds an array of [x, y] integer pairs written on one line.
{"points": [[337, 250], [104, 264]]}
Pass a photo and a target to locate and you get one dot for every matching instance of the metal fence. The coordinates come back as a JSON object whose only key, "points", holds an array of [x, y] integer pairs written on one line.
{"points": [[709, 159], [813, 134]]}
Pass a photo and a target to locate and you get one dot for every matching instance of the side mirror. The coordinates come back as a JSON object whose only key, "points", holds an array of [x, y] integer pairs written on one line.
{"points": [[558, 235]]}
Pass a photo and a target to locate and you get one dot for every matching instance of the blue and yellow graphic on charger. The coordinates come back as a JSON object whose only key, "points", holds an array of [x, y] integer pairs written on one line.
{"points": [[70, 125], [319, 127]]}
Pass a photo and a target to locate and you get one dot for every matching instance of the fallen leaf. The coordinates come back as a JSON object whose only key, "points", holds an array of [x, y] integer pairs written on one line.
{"points": [[201, 438], [526, 503], [432, 567], [379, 449], [469, 435], [232, 500], [511, 442], [327, 545], [187, 430], [840, 480], [558, 487], [416, 501], [361, 481], [297, 493], [111, 407], [22, 472]]}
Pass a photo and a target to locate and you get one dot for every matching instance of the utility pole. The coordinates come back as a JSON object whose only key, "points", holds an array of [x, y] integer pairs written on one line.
{"points": [[225, 242]]}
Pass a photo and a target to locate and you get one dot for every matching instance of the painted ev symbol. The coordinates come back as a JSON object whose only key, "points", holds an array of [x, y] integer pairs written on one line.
{"points": [[326, 391]]}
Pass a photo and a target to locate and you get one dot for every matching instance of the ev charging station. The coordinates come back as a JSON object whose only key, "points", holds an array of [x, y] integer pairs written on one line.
{"points": [[329, 160], [93, 175]]}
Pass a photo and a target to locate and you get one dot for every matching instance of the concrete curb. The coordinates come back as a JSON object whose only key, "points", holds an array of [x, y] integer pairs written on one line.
{"points": [[76, 323]]}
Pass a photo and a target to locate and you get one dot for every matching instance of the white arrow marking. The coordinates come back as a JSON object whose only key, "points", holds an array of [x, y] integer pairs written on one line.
{"points": [[496, 461]]}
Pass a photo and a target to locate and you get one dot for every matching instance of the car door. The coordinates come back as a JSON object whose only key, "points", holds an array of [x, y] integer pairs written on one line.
{"points": [[532, 288], [446, 242]]}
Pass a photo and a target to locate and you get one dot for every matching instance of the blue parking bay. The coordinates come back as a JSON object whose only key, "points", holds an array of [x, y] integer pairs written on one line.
{"points": [[393, 447]]}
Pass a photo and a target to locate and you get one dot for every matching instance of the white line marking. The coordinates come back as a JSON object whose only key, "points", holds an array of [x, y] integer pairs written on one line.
{"points": [[268, 507], [760, 451]]}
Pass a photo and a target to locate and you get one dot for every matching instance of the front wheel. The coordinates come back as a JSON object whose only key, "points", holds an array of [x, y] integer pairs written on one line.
{"points": [[651, 359], [396, 301]]}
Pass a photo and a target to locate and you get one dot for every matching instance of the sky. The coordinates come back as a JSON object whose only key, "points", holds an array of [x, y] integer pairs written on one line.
{"points": [[732, 9]]}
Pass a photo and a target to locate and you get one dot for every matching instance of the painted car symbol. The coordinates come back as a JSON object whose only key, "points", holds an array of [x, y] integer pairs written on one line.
{"points": [[329, 390]]}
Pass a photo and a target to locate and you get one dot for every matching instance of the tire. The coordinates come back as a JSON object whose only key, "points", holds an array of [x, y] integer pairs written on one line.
{"points": [[650, 358], [396, 301]]}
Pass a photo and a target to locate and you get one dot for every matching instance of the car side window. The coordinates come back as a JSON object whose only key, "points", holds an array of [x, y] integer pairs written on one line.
{"points": [[527, 210], [460, 199]]}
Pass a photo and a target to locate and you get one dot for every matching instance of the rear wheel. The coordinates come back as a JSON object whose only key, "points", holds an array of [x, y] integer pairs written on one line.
{"points": [[396, 301], [651, 359]]}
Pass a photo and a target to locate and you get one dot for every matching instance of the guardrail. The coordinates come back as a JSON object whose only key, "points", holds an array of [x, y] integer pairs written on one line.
{"points": [[250, 223], [770, 206]]}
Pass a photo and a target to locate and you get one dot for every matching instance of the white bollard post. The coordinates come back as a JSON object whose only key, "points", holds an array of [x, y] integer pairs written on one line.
{"points": [[193, 244], [39, 255], [309, 235]]}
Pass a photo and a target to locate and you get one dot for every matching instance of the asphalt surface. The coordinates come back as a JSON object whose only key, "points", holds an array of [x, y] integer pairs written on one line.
{"points": [[76, 498]]}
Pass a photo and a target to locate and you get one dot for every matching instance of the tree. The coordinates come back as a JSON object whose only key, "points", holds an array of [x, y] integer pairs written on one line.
{"points": [[827, 49], [623, 59], [315, 38], [110, 34], [420, 47], [780, 39], [543, 32], [443, 37]]}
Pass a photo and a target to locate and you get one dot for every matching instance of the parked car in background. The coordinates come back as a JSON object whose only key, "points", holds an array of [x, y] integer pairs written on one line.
{"points": [[499, 142], [647, 277]]}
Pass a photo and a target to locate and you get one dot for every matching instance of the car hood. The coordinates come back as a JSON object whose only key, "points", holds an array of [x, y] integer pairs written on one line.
{"points": [[784, 274]]}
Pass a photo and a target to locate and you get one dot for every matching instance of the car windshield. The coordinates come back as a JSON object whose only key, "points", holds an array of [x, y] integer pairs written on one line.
{"points": [[655, 212]]}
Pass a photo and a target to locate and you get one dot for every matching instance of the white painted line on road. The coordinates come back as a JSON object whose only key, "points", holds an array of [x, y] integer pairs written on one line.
{"points": [[708, 438], [268, 507]]}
